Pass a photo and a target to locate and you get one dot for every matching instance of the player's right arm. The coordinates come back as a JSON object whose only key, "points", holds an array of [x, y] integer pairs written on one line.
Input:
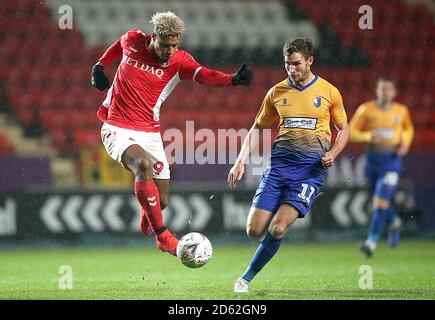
{"points": [[356, 125], [250, 142], [264, 119]]}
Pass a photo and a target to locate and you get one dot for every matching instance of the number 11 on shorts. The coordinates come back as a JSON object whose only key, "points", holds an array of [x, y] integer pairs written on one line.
{"points": [[303, 194]]}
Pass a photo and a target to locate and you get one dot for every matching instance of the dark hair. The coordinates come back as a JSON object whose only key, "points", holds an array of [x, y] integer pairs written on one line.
{"points": [[302, 46]]}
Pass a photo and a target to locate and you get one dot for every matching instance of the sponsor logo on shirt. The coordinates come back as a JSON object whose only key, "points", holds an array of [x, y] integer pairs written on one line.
{"points": [[385, 133], [300, 123], [142, 66]]}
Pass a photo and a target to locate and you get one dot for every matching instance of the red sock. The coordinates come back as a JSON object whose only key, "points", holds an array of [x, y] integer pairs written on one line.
{"points": [[149, 198]]}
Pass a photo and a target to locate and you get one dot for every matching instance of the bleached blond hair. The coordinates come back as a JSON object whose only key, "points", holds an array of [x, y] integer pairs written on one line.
{"points": [[167, 24]]}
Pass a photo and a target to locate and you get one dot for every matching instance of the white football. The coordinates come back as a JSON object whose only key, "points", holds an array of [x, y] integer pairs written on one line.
{"points": [[194, 250]]}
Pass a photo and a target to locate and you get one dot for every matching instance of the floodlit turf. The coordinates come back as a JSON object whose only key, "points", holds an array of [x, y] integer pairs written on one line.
{"points": [[298, 271]]}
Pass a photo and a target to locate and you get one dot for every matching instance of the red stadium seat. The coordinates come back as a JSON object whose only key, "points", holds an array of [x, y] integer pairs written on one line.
{"points": [[56, 80], [6, 148]]}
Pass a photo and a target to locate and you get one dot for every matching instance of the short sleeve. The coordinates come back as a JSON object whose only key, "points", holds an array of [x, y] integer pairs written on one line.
{"points": [[338, 114], [357, 125], [132, 36], [267, 114], [407, 127], [189, 68]]}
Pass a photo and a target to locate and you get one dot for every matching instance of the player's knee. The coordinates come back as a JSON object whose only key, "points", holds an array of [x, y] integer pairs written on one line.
{"points": [[277, 230], [253, 231], [381, 203], [143, 169]]}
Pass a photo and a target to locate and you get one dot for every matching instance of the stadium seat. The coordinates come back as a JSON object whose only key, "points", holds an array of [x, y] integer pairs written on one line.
{"points": [[58, 62], [6, 147]]}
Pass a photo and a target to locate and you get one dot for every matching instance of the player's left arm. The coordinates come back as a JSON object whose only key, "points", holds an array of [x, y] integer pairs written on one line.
{"points": [[99, 79], [339, 119], [407, 135], [192, 70]]}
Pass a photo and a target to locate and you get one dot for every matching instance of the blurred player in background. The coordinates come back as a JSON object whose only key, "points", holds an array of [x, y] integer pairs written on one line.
{"points": [[151, 67], [386, 127], [304, 104]]}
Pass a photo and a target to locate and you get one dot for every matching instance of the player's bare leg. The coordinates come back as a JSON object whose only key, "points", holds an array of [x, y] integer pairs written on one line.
{"points": [[282, 220], [258, 221], [137, 161]]}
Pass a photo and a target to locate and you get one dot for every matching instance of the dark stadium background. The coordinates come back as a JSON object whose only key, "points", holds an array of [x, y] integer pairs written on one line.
{"points": [[58, 187]]}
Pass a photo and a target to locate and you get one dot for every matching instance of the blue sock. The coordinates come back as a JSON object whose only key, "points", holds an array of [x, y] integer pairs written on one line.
{"points": [[377, 224], [392, 214], [394, 234], [265, 251]]}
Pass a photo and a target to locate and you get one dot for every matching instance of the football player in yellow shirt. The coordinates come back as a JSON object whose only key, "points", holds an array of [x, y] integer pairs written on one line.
{"points": [[386, 127], [304, 104]]}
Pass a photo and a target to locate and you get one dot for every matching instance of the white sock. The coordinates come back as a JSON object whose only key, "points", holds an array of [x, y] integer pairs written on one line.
{"points": [[371, 244]]}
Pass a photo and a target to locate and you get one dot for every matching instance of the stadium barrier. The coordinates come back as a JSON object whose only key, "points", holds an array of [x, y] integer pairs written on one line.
{"points": [[66, 217]]}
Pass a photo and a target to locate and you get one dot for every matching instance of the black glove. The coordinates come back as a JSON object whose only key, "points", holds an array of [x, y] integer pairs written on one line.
{"points": [[243, 76], [99, 79]]}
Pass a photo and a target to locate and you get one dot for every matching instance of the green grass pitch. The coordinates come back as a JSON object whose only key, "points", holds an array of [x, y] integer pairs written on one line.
{"points": [[298, 271]]}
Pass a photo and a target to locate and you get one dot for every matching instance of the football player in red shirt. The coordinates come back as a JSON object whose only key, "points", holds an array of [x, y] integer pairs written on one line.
{"points": [[151, 66]]}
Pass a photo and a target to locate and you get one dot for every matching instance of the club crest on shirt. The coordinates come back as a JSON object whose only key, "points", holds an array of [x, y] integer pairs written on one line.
{"points": [[317, 101]]}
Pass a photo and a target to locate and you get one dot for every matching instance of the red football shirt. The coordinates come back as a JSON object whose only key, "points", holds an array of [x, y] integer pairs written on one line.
{"points": [[141, 84]]}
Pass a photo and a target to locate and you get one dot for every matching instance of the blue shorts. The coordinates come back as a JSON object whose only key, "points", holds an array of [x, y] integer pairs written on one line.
{"points": [[289, 179], [383, 173]]}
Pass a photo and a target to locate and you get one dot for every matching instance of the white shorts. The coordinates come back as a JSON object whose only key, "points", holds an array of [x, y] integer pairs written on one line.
{"points": [[116, 140]]}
